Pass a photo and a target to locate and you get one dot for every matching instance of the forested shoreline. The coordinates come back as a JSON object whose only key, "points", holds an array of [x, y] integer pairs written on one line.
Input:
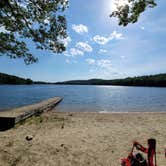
{"points": [[158, 80], [14, 80]]}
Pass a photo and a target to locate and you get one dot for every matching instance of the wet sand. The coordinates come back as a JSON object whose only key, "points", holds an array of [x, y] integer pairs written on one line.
{"points": [[81, 139]]}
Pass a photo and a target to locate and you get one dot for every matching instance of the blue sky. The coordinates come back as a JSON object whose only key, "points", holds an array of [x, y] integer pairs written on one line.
{"points": [[98, 48]]}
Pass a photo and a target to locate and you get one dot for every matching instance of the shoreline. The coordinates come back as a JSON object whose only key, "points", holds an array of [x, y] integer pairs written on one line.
{"points": [[109, 112], [100, 112]]}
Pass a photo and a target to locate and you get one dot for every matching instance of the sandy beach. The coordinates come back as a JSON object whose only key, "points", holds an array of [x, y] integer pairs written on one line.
{"points": [[80, 139]]}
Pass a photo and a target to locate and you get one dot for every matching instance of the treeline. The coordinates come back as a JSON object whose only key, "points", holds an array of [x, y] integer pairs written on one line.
{"points": [[10, 79], [158, 80], [15, 80]]}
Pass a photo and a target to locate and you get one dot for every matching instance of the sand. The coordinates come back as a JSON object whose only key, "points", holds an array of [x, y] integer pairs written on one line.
{"points": [[81, 139]]}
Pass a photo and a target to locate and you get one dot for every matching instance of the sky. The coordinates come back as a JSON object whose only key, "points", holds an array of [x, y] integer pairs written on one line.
{"points": [[98, 48]]}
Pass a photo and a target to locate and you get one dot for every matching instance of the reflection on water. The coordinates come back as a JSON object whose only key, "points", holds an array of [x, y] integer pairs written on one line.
{"points": [[86, 98]]}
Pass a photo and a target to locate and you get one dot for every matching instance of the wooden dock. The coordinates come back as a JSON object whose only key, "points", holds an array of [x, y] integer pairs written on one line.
{"points": [[9, 118]]}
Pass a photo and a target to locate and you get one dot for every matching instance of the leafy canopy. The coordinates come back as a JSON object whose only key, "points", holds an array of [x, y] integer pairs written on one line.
{"points": [[39, 20], [130, 12], [43, 22]]}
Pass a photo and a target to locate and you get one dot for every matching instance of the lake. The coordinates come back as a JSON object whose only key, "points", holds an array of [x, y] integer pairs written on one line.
{"points": [[86, 98]]}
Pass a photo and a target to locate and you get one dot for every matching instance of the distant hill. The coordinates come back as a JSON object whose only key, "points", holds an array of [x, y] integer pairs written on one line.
{"points": [[158, 80], [11, 79]]}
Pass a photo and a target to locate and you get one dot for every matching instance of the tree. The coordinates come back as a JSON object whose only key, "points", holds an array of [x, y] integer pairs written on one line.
{"points": [[39, 20], [130, 12], [42, 22]]}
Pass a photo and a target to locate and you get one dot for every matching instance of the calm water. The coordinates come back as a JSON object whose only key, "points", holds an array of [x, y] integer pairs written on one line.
{"points": [[86, 98]]}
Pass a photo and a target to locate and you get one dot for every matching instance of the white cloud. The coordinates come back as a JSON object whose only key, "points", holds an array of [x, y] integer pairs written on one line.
{"points": [[103, 68], [79, 49], [90, 61], [116, 35], [85, 47], [101, 51], [73, 52], [100, 39], [66, 41], [104, 63], [104, 40], [80, 28]]}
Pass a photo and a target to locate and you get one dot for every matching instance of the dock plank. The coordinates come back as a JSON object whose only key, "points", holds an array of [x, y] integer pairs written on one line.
{"points": [[9, 118]]}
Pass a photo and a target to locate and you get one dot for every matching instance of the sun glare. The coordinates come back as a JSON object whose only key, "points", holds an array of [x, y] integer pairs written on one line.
{"points": [[116, 3]]}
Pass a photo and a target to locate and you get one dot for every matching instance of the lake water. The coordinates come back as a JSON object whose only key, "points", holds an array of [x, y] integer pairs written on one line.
{"points": [[86, 98]]}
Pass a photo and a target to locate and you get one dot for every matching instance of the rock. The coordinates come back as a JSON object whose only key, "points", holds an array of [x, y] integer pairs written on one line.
{"points": [[62, 145], [63, 125], [70, 114], [29, 137]]}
